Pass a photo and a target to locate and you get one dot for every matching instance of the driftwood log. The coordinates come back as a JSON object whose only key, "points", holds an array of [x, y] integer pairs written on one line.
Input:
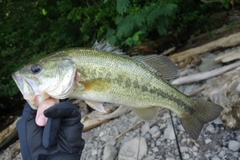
{"points": [[229, 56], [225, 91], [229, 41], [8, 135], [204, 75]]}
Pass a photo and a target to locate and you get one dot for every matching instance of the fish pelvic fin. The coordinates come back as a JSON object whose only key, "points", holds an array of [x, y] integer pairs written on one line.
{"points": [[147, 114], [204, 112]]}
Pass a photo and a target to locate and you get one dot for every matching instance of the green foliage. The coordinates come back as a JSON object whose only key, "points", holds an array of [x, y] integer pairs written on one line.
{"points": [[140, 20]]}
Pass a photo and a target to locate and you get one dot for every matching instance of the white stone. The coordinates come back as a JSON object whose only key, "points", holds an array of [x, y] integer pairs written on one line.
{"points": [[156, 135], [215, 158], [133, 149], [217, 121], [210, 128], [186, 156], [207, 141], [109, 153], [180, 128], [169, 133], [145, 128], [149, 158], [153, 130], [166, 116], [155, 149], [94, 152], [195, 148], [234, 145], [184, 149]]}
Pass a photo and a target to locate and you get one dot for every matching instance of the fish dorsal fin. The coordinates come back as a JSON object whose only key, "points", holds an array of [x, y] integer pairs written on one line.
{"points": [[105, 46], [166, 68]]}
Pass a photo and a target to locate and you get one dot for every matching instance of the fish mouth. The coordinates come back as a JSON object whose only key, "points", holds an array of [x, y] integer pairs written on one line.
{"points": [[28, 89]]}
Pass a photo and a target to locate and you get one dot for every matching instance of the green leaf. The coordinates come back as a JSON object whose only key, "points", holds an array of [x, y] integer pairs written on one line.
{"points": [[122, 6]]}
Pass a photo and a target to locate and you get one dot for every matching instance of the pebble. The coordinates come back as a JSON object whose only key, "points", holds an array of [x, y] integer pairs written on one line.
{"points": [[149, 158], [186, 156], [207, 141], [210, 128], [222, 153], [169, 133], [153, 130], [195, 148], [109, 153], [156, 135], [183, 149], [207, 63], [155, 149], [234, 145], [215, 158], [145, 128], [131, 150]]}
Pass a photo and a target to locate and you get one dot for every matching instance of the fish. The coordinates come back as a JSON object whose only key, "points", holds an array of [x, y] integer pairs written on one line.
{"points": [[104, 73]]}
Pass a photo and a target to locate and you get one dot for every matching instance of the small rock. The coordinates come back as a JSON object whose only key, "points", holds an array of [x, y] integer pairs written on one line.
{"points": [[195, 148], [156, 135], [170, 158], [215, 158], [155, 149], [166, 116], [149, 158], [184, 149], [133, 149], [234, 145], [180, 128], [147, 136], [94, 152], [210, 128], [92, 158], [109, 153], [145, 128], [163, 126], [217, 121], [186, 156], [169, 133], [208, 63], [153, 130], [208, 141], [235, 154]]}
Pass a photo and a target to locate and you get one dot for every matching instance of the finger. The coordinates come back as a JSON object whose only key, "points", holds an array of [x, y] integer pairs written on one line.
{"points": [[64, 109], [40, 118]]}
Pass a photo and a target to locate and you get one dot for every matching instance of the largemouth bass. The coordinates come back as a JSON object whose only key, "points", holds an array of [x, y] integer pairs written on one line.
{"points": [[104, 74]]}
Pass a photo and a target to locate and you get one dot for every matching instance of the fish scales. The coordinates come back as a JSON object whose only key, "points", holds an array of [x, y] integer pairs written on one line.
{"points": [[124, 74]]}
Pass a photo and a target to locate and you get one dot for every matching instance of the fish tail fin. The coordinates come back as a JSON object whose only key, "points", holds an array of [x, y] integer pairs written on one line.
{"points": [[204, 112]]}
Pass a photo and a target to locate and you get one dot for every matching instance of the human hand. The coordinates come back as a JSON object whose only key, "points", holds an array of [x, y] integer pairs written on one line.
{"points": [[60, 138], [41, 119]]}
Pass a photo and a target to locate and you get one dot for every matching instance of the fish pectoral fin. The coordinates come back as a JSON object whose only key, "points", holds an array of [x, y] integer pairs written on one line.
{"points": [[96, 105], [166, 68], [146, 114], [204, 112], [99, 84]]}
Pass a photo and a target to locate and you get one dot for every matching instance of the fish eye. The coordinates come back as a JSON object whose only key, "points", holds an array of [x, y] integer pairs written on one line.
{"points": [[36, 68]]}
